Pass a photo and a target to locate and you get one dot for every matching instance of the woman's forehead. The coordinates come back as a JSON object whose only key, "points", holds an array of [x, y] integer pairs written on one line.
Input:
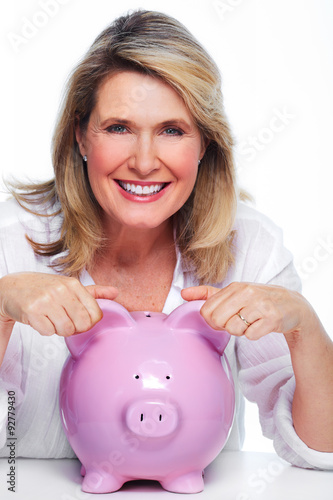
{"points": [[128, 92]]}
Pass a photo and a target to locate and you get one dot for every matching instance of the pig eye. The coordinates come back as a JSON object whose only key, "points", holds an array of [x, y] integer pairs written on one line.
{"points": [[136, 376], [168, 377]]}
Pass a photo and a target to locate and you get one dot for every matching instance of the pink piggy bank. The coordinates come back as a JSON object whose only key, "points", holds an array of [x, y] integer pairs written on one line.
{"points": [[144, 395]]}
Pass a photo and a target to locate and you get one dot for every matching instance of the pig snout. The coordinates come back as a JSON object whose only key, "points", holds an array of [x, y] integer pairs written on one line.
{"points": [[151, 418]]}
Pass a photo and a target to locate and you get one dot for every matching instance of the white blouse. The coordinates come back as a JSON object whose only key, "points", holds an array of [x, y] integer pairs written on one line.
{"points": [[262, 369]]}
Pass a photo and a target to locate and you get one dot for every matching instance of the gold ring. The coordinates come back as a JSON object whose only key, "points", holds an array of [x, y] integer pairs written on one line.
{"points": [[243, 319]]}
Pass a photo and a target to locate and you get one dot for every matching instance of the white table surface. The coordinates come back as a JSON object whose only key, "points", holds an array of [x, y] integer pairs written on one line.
{"points": [[232, 476]]}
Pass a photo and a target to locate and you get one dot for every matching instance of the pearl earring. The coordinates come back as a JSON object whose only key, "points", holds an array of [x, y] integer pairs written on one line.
{"points": [[199, 161], [84, 158]]}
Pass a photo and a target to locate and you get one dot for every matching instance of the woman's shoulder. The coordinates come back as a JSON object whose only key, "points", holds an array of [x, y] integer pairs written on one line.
{"points": [[258, 237], [249, 221], [260, 253], [13, 214]]}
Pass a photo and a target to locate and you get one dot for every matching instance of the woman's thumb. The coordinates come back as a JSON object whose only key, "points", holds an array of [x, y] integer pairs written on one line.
{"points": [[202, 292], [102, 291]]}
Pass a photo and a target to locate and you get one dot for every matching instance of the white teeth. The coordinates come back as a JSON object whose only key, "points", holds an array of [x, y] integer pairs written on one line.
{"points": [[141, 190]]}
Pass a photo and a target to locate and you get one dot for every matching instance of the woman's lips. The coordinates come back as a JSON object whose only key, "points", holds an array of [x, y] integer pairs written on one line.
{"points": [[142, 191]]}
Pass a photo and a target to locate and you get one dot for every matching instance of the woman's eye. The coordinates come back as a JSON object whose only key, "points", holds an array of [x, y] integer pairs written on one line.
{"points": [[116, 129], [173, 131]]}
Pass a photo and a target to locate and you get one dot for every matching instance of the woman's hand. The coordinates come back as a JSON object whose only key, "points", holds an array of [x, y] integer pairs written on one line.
{"points": [[50, 303], [252, 310], [267, 309]]}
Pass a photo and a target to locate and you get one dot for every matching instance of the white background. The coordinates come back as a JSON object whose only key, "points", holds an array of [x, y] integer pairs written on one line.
{"points": [[276, 60]]}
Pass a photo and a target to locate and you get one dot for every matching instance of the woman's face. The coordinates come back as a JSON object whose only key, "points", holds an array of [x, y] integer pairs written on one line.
{"points": [[142, 149]]}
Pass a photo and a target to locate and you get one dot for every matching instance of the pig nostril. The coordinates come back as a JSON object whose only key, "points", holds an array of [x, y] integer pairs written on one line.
{"points": [[148, 315], [151, 418]]}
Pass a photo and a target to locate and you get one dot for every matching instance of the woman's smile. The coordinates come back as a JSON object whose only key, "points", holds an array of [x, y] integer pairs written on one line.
{"points": [[142, 189]]}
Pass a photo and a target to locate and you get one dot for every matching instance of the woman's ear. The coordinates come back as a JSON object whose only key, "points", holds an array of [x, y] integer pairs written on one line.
{"points": [[79, 135], [204, 145]]}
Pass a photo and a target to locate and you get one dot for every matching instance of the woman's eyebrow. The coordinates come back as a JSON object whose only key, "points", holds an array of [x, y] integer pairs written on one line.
{"points": [[115, 119], [124, 121], [175, 121]]}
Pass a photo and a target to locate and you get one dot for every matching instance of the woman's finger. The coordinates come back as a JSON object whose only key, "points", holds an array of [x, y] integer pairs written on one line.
{"points": [[257, 330], [87, 296], [82, 309], [219, 308], [42, 325], [236, 326], [233, 308]]}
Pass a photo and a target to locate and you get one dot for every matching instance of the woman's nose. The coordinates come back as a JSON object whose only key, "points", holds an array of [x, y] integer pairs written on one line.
{"points": [[145, 159]]}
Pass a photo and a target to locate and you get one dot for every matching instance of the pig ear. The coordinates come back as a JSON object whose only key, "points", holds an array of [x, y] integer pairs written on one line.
{"points": [[188, 317], [114, 316]]}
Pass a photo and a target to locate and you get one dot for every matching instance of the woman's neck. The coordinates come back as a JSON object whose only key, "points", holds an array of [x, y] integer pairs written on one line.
{"points": [[128, 247], [140, 264]]}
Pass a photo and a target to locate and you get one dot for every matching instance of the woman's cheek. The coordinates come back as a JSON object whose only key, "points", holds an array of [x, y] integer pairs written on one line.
{"points": [[183, 162], [105, 160]]}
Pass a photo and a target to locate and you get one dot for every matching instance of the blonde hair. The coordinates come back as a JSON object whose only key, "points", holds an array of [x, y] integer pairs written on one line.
{"points": [[155, 44]]}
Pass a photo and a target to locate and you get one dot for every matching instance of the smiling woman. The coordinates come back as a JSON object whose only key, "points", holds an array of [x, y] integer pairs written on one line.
{"points": [[161, 56], [143, 209]]}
